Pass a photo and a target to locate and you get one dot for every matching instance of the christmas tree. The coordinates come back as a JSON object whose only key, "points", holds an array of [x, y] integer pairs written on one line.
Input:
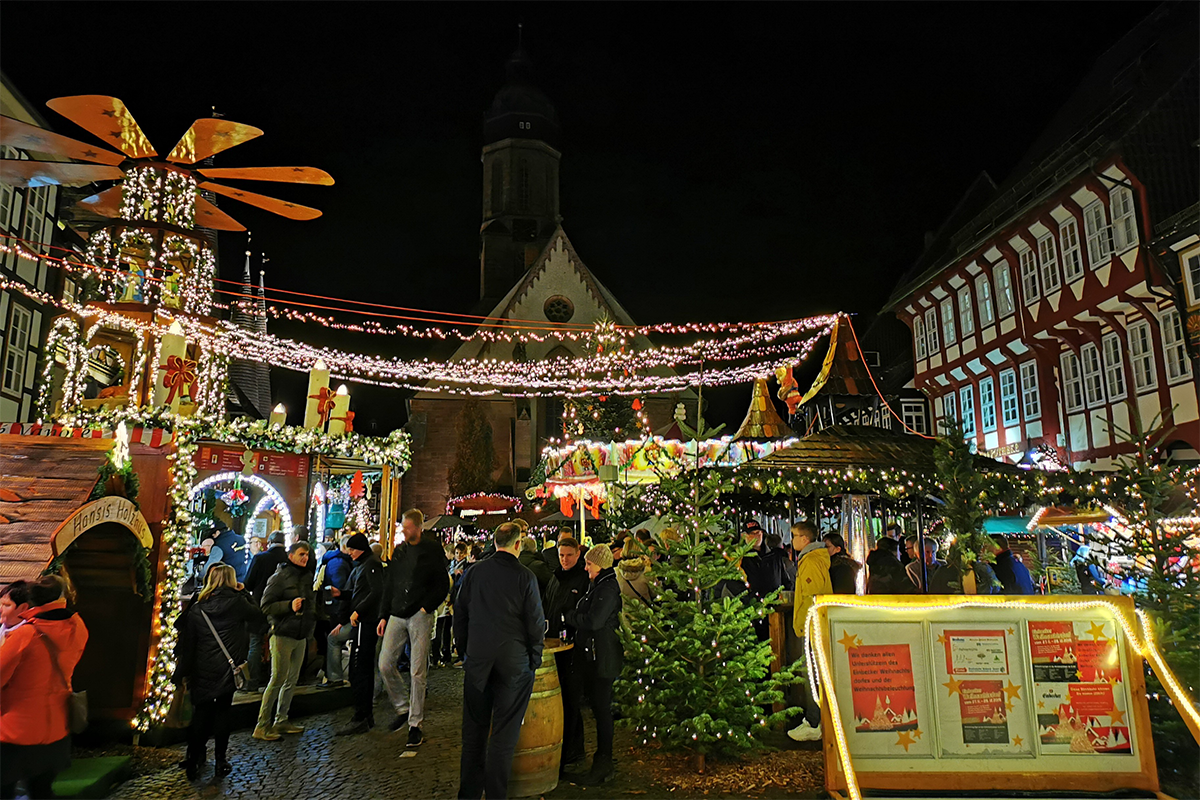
{"points": [[604, 418], [697, 678], [475, 453], [968, 493]]}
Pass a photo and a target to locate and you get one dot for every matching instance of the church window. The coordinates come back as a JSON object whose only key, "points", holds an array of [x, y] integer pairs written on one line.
{"points": [[559, 309], [497, 187], [523, 186]]}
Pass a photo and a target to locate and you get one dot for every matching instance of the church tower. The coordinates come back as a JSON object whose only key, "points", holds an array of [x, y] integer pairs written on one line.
{"points": [[520, 180]]}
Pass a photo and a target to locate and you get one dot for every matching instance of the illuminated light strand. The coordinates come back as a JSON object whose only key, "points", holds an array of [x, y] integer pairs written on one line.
{"points": [[270, 494]]}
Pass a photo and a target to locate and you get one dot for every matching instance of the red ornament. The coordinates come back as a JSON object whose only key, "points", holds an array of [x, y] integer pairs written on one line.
{"points": [[178, 373], [637, 404], [567, 505]]}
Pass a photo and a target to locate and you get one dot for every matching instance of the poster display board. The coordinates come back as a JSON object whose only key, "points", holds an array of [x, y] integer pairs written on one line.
{"points": [[985, 693]]}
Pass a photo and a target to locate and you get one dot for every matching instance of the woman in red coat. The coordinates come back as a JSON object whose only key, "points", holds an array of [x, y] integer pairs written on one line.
{"points": [[35, 743]]}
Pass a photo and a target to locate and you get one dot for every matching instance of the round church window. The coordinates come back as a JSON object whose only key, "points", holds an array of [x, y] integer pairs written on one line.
{"points": [[559, 309]]}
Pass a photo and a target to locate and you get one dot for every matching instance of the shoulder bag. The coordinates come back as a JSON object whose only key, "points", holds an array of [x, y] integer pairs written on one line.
{"points": [[77, 705], [241, 672]]}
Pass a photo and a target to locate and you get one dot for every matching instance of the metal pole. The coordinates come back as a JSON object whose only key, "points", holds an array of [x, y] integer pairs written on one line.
{"points": [[921, 548]]}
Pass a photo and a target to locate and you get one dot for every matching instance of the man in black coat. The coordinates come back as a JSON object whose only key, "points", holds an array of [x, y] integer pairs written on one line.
{"points": [[415, 583], [498, 620], [765, 569], [290, 604], [570, 584], [532, 560], [261, 568], [359, 610]]}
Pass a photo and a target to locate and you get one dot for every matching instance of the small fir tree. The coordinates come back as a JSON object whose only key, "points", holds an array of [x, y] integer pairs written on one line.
{"points": [[697, 678], [475, 453], [967, 495]]}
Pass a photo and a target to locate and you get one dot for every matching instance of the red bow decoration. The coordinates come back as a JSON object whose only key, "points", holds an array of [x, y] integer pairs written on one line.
{"points": [[567, 506], [349, 420], [324, 399], [178, 372]]}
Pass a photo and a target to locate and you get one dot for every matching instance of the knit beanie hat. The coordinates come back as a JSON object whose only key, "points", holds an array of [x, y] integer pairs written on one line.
{"points": [[358, 542], [600, 555]]}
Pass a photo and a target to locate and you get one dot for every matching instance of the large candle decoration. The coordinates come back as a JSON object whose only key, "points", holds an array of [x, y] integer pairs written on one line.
{"points": [[175, 373], [278, 416], [318, 389], [341, 405]]}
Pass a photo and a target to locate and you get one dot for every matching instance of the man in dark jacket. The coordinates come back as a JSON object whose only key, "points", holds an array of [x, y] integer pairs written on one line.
{"points": [[499, 623], [359, 613], [1012, 574], [289, 605], [414, 585], [233, 550], [570, 584], [261, 568], [532, 560], [885, 575], [843, 570], [765, 570]]}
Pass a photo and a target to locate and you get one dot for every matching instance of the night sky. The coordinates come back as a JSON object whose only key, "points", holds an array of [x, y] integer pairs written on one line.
{"points": [[720, 161]]}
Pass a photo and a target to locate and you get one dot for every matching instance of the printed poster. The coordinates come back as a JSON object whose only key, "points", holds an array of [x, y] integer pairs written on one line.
{"points": [[982, 698], [882, 703], [1079, 688]]}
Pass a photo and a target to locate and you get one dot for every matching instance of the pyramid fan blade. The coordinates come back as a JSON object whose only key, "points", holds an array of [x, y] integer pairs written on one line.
{"points": [[106, 204], [107, 118], [209, 216], [55, 173], [280, 207], [207, 137], [277, 174], [23, 136]]}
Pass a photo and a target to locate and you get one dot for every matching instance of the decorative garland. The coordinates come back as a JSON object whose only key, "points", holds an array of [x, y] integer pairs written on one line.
{"points": [[130, 479]]}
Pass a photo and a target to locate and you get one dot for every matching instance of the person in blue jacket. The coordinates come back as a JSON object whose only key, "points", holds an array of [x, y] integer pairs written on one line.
{"points": [[233, 550], [1012, 574]]}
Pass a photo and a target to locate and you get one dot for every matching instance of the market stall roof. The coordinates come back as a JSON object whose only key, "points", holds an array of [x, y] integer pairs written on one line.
{"points": [[43, 480], [843, 371], [762, 419], [863, 446]]}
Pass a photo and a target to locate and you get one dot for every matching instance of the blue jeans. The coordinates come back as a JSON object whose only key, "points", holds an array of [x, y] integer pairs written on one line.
{"points": [[335, 667]]}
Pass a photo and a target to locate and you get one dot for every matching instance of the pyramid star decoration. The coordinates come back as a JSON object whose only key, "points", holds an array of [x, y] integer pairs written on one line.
{"points": [[953, 685], [848, 641], [1096, 631], [905, 739]]}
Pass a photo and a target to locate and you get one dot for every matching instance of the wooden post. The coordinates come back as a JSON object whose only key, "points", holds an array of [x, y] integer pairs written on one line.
{"points": [[387, 522]]}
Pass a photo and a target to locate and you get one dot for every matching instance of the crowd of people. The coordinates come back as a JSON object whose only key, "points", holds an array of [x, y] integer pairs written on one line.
{"points": [[291, 609]]}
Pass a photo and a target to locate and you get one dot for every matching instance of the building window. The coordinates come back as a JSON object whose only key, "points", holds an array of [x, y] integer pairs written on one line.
{"points": [[912, 412], [1114, 367], [1009, 412], [1004, 290], [34, 226], [1030, 398], [70, 291], [1072, 382], [1068, 237], [987, 404], [497, 187], [948, 334], [1093, 375], [1029, 277], [559, 309], [1124, 225], [983, 290], [1096, 230], [966, 313], [1049, 258], [919, 336], [17, 350], [1178, 366], [1141, 356], [931, 331], [966, 396], [949, 414], [1191, 272], [524, 201]]}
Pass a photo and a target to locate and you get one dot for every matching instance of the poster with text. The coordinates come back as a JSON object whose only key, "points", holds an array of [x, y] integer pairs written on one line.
{"points": [[981, 699], [1079, 688], [881, 701]]}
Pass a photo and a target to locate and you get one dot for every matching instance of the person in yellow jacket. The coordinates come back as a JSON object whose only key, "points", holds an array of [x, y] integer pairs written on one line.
{"points": [[812, 579]]}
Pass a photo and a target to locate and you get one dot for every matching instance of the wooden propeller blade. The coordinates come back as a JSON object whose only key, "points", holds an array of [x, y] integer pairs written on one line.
{"points": [[209, 216], [107, 118], [207, 137], [277, 174], [106, 203], [55, 173], [280, 207], [23, 136]]}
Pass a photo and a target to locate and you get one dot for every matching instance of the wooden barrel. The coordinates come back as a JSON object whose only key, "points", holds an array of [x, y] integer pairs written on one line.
{"points": [[539, 748]]}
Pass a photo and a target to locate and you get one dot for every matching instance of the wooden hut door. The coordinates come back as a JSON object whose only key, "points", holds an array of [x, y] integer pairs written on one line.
{"points": [[101, 566]]}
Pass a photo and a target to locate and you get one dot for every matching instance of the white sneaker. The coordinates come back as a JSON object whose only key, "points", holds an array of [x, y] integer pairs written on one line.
{"points": [[805, 733]]}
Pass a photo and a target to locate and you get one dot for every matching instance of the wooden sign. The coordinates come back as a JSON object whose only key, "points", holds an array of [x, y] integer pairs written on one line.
{"points": [[98, 512]]}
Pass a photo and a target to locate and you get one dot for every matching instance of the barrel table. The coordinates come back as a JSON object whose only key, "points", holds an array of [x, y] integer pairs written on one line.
{"points": [[539, 748]]}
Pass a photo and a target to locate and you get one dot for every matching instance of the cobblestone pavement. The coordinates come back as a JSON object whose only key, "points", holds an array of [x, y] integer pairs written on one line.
{"points": [[317, 764]]}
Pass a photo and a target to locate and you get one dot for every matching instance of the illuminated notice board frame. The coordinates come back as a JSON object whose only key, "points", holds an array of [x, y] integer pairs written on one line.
{"points": [[927, 769]]}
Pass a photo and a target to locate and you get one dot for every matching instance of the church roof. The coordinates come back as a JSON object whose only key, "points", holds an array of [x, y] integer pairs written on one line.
{"points": [[843, 371], [521, 110]]}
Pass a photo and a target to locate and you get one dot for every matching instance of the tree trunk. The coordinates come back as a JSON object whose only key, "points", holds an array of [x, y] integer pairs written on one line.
{"points": [[699, 763]]}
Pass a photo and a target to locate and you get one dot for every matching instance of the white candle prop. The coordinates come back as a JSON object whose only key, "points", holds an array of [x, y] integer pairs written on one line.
{"points": [[318, 379], [278, 416], [341, 404]]}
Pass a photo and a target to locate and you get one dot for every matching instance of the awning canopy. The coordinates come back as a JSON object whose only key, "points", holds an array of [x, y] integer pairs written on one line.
{"points": [[43, 481]]}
